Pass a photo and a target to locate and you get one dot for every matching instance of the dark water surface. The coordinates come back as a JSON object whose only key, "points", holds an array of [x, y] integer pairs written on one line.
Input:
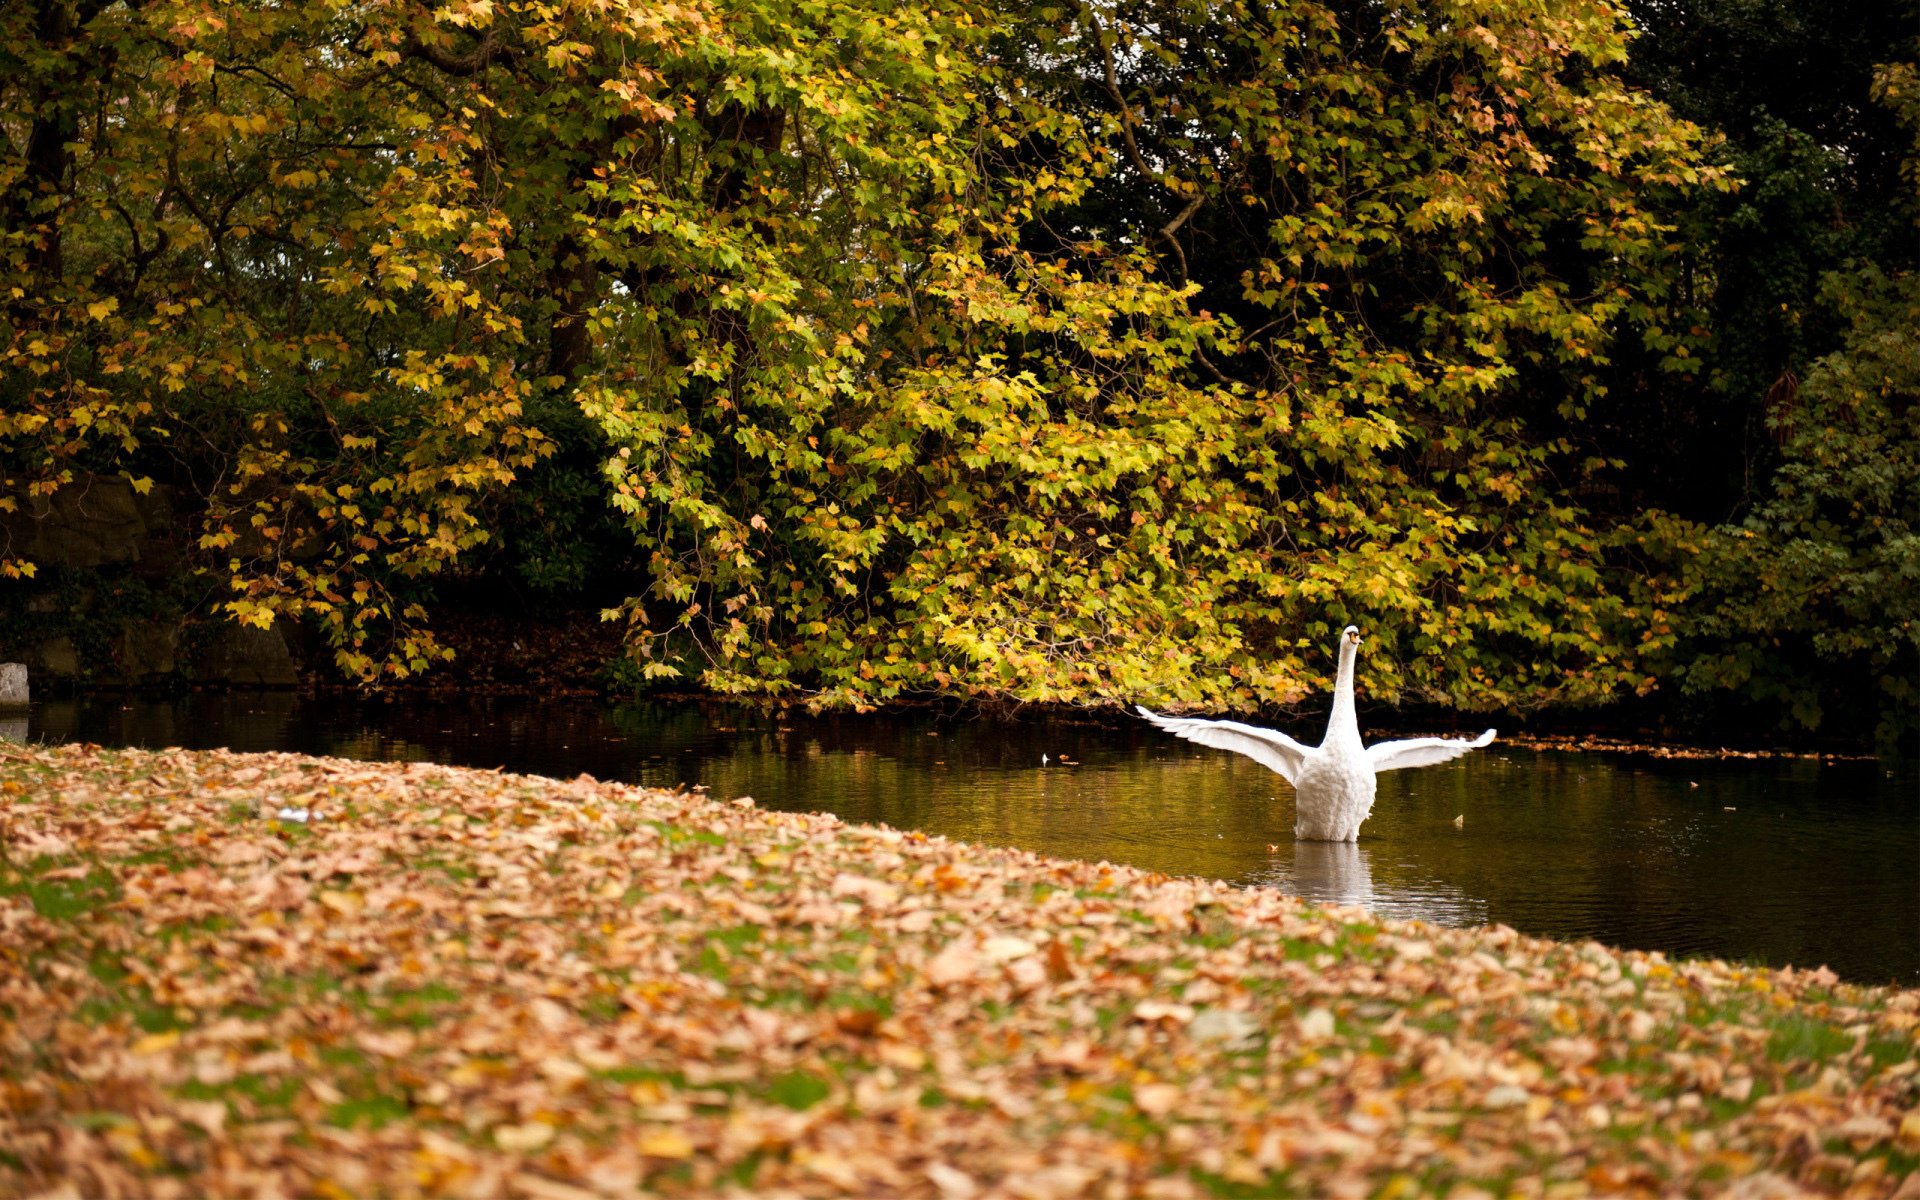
{"points": [[1782, 862]]}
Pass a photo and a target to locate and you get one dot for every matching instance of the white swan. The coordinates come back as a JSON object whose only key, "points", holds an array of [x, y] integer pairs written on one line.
{"points": [[1333, 783]]}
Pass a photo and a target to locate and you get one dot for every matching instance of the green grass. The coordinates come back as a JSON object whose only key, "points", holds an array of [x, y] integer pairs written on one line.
{"points": [[1273, 1187], [629, 1075], [374, 1112], [675, 835], [1799, 1038], [798, 1090], [270, 1095], [59, 899], [135, 1005], [416, 1008]]}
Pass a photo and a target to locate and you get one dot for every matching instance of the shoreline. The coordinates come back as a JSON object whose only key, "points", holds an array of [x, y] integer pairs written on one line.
{"points": [[233, 972], [1590, 740]]}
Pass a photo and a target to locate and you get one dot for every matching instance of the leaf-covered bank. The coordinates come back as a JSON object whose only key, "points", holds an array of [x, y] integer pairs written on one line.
{"points": [[452, 982]]}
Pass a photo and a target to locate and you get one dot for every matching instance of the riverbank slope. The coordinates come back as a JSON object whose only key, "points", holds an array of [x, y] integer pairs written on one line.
{"points": [[230, 974]]}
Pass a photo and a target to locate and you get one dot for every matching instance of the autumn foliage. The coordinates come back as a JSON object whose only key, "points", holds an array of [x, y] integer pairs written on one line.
{"points": [[1055, 353]]}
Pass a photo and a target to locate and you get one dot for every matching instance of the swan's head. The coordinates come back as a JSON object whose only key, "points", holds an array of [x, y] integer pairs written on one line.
{"points": [[1350, 635]]}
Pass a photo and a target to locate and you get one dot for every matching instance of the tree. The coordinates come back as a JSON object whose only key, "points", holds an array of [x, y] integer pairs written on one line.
{"points": [[1050, 353], [1810, 603], [1430, 226], [255, 271], [1789, 445], [1788, 84]]}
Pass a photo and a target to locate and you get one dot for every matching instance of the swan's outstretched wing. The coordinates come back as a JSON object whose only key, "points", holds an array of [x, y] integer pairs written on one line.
{"points": [[1421, 752], [1268, 747]]}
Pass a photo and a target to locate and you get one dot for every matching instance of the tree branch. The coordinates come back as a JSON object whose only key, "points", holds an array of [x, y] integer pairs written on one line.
{"points": [[472, 62], [1194, 198]]}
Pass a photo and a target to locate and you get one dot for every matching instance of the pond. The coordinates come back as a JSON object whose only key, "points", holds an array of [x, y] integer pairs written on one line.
{"points": [[1773, 861]]}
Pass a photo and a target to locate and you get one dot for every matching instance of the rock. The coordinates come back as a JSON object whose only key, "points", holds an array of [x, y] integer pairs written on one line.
{"points": [[13, 729], [93, 522], [13, 685], [246, 656], [146, 649], [56, 658]]}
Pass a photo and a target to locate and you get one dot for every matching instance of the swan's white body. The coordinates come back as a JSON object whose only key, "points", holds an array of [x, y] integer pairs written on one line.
{"points": [[1333, 783]]}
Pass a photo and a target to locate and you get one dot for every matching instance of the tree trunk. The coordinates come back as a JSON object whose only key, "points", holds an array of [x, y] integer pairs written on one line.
{"points": [[31, 206]]}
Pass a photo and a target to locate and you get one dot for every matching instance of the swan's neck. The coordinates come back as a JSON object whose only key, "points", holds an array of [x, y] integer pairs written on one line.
{"points": [[1344, 725]]}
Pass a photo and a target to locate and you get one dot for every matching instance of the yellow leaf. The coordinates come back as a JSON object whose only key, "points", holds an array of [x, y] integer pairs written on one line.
{"points": [[99, 310], [347, 904], [154, 1043], [126, 1139], [666, 1143], [647, 1091], [1910, 1129], [520, 1138]]}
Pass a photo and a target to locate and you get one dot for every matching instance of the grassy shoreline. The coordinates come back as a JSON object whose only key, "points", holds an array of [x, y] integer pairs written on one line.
{"points": [[467, 983]]}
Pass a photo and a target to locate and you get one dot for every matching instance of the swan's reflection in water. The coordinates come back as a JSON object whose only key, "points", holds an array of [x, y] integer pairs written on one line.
{"points": [[1342, 873], [1332, 873]]}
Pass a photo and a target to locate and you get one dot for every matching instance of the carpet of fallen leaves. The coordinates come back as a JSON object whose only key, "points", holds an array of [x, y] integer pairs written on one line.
{"points": [[271, 975]]}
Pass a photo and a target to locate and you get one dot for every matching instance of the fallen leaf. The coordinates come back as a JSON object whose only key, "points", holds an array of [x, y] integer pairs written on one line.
{"points": [[1005, 949], [957, 962], [953, 1184], [518, 1139], [157, 1043], [210, 1115], [1156, 1099], [347, 904], [666, 1143]]}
